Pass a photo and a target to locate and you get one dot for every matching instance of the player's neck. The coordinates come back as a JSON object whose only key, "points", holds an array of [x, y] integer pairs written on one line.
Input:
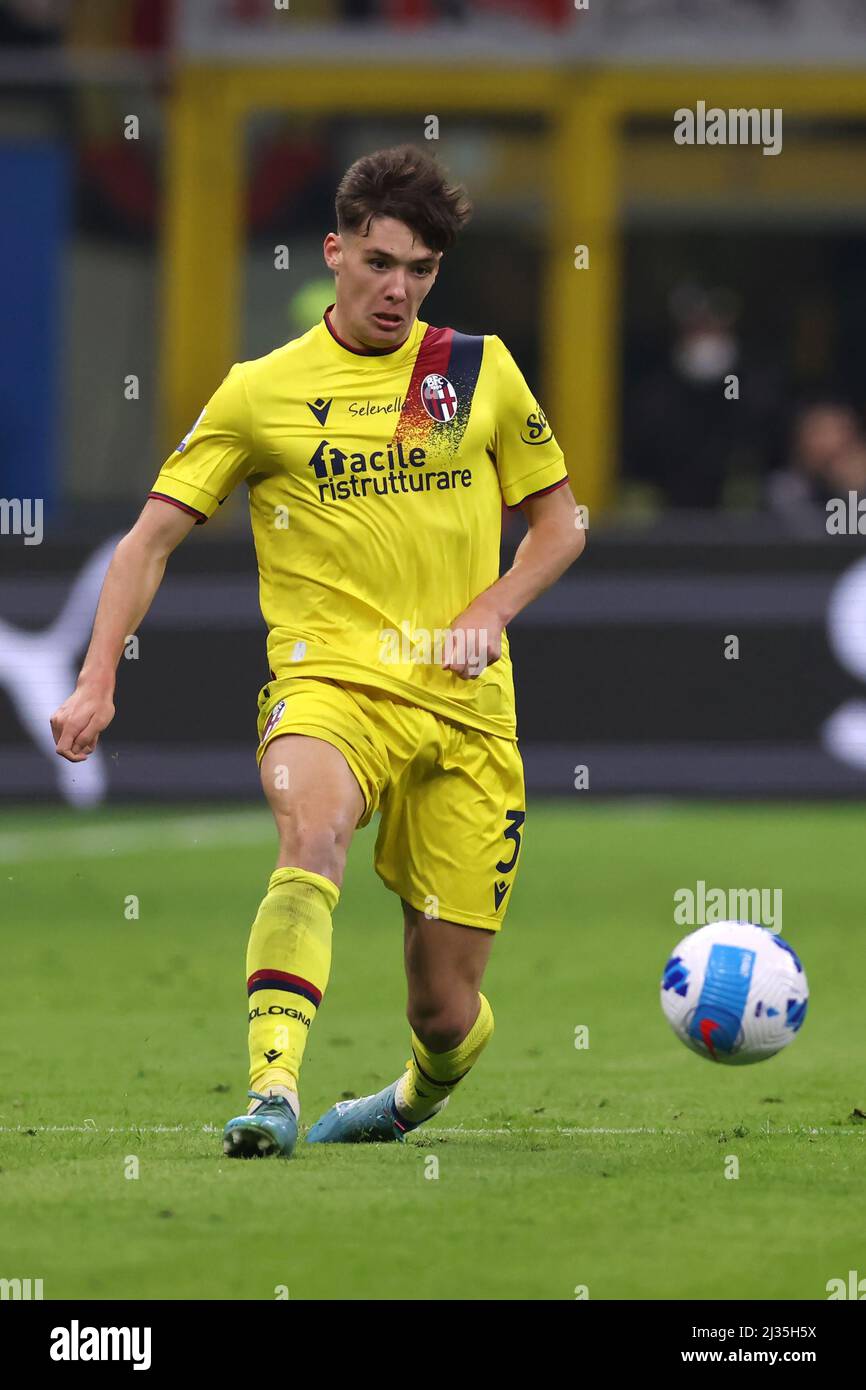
{"points": [[344, 336]]}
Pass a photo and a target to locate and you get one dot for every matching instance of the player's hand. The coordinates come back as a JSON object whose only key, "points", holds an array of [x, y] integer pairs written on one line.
{"points": [[79, 721], [476, 640]]}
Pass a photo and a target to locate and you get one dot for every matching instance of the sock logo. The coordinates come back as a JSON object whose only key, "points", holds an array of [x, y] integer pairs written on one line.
{"points": [[272, 1054], [278, 1009]]}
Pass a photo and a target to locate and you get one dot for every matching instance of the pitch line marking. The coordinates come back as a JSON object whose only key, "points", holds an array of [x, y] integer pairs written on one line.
{"points": [[468, 1133], [101, 841]]}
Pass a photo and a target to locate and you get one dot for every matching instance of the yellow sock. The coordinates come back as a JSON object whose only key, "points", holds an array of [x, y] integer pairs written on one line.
{"points": [[432, 1076], [288, 963]]}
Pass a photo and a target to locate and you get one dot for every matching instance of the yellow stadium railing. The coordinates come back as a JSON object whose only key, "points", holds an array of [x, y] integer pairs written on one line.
{"points": [[585, 111]]}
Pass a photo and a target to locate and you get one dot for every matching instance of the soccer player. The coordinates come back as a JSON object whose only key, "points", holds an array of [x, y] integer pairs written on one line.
{"points": [[377, 452]]}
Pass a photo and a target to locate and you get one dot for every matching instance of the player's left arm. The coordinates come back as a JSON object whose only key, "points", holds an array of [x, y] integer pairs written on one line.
{"points": [[554, 540], [532, 475]]}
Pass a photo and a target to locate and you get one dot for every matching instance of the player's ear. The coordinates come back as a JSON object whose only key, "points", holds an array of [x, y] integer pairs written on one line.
{"points": [[332, 249]]}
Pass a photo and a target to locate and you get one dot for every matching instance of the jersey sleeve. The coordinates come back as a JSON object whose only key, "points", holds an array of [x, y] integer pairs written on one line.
{"points": [[527, 457], [214, 456]]}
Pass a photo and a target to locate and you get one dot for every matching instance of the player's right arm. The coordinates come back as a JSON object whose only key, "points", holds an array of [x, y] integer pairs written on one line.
{"points": [[192, 484], [134, 575]]}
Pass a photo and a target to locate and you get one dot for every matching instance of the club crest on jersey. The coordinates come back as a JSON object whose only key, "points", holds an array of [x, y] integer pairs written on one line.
{"points": [[438, 398], [273, 719]]}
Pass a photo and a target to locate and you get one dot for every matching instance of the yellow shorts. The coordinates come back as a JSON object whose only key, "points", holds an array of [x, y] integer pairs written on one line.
{"points": [[451, 798]]}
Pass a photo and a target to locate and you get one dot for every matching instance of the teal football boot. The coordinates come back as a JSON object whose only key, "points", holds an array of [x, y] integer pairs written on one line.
{"points": [[369, 1120], [272, 1128]]}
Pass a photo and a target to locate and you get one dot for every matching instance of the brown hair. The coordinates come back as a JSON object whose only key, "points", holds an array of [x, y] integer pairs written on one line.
{"points": [[409, 185]]}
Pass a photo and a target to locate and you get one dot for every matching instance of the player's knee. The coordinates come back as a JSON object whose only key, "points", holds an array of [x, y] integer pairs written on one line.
{"points": [[318, 847], [442, 1024]]}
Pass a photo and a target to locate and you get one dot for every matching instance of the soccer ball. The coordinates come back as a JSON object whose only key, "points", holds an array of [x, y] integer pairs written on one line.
{"points": [[734, 992]]}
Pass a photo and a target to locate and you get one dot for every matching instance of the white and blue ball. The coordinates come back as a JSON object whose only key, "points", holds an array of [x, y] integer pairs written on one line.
{"points": [[734, 992]]}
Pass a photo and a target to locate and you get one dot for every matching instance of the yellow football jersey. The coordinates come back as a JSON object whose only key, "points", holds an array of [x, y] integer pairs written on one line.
{"points": [[376, 482]]}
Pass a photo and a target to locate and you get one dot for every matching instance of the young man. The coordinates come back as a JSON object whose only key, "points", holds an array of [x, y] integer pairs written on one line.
{"points": [[377, 452]]}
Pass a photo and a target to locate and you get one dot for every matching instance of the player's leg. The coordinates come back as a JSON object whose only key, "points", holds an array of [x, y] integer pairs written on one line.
{"points": [[449, 844], [451, 1024], [317, 802], [460, 835], [451, 1020]]}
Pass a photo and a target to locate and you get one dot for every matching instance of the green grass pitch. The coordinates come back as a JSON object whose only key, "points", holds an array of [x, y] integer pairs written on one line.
{"points": [[124, 1040]]}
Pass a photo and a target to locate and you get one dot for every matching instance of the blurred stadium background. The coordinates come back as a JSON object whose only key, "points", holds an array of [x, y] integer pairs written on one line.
{"points": [[154, 153], [153, 157]]}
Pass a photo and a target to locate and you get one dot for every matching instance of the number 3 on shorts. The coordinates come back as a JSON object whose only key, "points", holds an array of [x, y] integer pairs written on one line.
{"points": [[513, 830]]}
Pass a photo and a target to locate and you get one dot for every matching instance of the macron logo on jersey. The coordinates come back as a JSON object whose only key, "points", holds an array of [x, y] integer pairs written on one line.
{"points": [[320, 408]]}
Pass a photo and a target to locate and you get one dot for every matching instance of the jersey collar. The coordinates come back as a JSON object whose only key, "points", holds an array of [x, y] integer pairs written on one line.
{"points": [[390, 354]]}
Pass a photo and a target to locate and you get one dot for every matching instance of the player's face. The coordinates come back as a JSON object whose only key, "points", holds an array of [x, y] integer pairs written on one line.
{"points": [[382, 279]]}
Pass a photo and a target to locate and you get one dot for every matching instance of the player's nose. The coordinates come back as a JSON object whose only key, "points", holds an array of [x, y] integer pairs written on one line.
{"points": [[396, 293]]}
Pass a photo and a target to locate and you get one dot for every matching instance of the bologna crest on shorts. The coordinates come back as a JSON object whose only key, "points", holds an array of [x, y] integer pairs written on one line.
{"points": [[273, 719], [438, 398]]}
